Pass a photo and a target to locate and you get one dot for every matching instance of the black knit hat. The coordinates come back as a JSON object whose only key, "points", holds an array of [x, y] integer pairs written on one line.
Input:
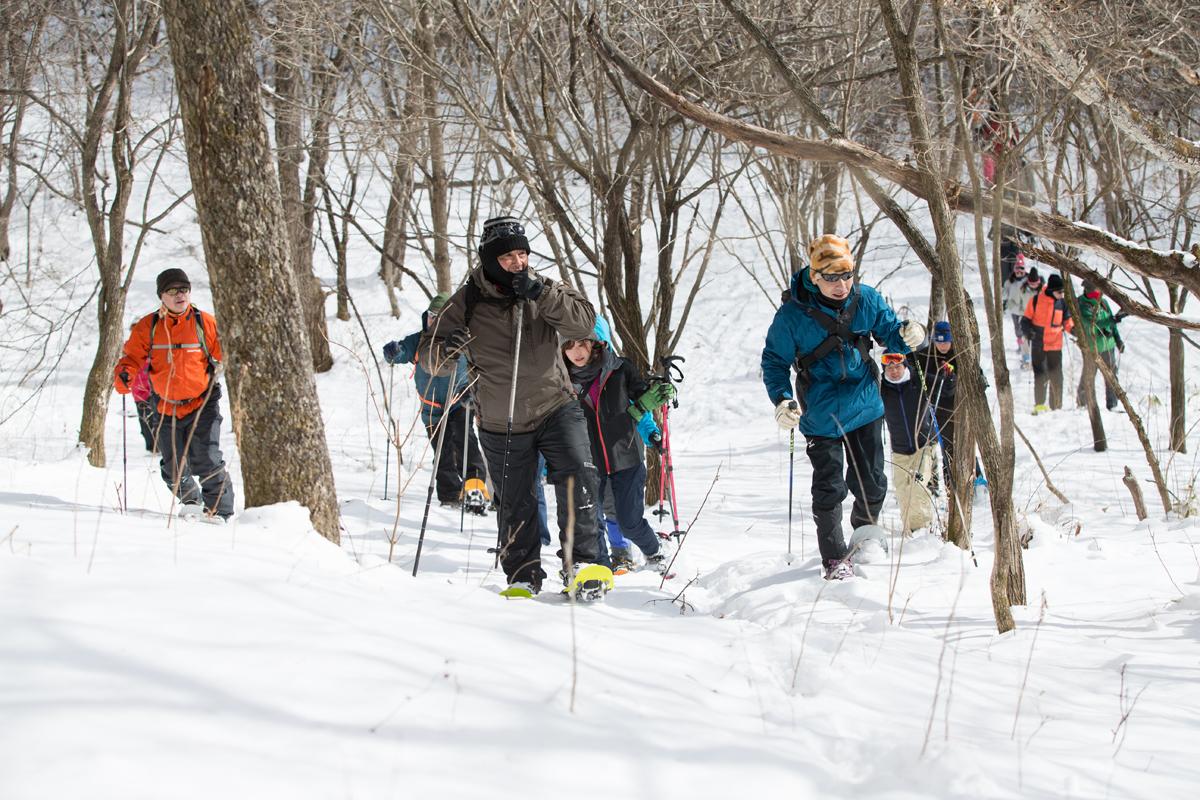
{"points": [[172, 278], [1054, 284], [502, 235]]}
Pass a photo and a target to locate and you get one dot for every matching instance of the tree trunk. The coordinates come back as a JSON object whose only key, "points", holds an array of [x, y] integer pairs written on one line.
{"points": [[1087, 346], [273, 396], [1007, 577], [1175, 360], [439, 181], [107, 223], [290, 150]]}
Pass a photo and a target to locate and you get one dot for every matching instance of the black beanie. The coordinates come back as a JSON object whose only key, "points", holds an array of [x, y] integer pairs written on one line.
{"points": [[1054, 284], [500, 235], [171, 279]]}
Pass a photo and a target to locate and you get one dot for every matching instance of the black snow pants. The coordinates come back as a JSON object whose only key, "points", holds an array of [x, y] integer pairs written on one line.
{"points": [[859, 455], [450, 467], [191, 450], [562, 438]]}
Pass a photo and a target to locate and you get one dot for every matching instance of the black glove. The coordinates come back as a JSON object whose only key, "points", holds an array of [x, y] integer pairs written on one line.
{"points": [[396, 353], [455, 342], [526, 285], [124, 376]]}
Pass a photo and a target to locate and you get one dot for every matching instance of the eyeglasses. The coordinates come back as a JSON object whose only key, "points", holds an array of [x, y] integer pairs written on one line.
{"points": [[836, 278], [889, 359], [178, 291]]}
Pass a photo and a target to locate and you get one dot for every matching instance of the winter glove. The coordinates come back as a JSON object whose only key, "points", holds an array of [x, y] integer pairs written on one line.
{"points": [[396, 353], [913, 333], [658, 395], [526, 285], [122, 383], [455, 342], [787, 414], [649, 431]]}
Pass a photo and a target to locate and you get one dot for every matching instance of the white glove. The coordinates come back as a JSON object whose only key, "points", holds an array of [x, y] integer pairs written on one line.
{"points": [[913, 333], [787, 414]]}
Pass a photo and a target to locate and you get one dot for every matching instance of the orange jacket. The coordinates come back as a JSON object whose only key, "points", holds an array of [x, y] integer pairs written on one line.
{"points": [[179, 370], [1049, 317]]}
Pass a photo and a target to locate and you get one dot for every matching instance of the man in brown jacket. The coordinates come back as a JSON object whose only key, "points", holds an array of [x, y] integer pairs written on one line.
{"points": [[536, 412]]}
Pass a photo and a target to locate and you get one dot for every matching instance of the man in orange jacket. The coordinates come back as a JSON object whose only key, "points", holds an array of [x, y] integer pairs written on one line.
{"points": [[181, 345], [1044, 322]]}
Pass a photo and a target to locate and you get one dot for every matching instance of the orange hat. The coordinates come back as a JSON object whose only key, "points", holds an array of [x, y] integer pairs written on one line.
{"points": [[830, 253]]}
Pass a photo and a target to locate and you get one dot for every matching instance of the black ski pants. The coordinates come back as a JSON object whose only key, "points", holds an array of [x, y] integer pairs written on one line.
{"points": [[450, 466], [562, 438], [853, 461], [147, 415], [191, 449]]}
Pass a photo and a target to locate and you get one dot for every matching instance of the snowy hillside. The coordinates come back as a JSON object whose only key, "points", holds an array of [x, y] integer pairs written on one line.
{"points": [[144, 657]]}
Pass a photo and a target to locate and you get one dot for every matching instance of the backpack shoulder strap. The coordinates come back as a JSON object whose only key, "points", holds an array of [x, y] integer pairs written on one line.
{"points": [[199, 319], [471, 295], [837, 331]]}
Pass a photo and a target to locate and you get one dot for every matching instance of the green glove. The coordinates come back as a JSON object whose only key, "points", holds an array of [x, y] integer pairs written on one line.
{"points": [[657, 395]]}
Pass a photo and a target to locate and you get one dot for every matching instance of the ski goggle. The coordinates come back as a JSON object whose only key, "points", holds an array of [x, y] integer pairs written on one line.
{"points": [[892, 358], [837, 277], [502, 230]]}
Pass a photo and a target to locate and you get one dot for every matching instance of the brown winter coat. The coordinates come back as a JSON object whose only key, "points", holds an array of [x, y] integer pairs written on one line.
{"points": [[543, 386]]}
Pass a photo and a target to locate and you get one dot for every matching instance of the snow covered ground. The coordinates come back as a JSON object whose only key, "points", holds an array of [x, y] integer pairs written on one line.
{"points": [[144, 657]]}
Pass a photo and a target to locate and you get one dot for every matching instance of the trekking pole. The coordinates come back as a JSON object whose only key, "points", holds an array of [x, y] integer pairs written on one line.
{"points": [[512, 402], [670, 470], [462, 505], [437, 457], [791, 474], [124, 460], [387, 452]]}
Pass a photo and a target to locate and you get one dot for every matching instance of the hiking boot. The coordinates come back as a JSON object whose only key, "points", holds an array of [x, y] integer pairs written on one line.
{"points": [[622, 561], [661, 559], [839, 569]]}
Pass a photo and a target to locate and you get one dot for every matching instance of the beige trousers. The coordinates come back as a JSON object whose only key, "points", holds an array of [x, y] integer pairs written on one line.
{"points": [[910, 477]]}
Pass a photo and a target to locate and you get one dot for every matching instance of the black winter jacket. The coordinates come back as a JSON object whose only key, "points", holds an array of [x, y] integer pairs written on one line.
{"points": [[906, 411], [616, 444]]}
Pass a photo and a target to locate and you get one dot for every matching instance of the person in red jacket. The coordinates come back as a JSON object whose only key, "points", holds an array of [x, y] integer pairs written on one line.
{"points": [[1044, 322], [183, 349]]}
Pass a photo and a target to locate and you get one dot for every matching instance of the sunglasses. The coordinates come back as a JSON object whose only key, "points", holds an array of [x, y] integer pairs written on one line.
{"points": [[178, 291], [889, 359], [836, 278]]}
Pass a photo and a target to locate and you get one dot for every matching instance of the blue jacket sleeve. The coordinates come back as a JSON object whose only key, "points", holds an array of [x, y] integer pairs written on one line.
{"points": [[778, 354], [408, 347], [885, 325]]}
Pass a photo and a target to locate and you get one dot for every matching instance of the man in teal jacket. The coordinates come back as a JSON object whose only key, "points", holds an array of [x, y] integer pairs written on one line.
{"points": [[824, 330]]}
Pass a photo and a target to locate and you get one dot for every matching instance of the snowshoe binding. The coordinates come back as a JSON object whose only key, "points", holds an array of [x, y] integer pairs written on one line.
{"points": [[475, 497], [590, 582]]}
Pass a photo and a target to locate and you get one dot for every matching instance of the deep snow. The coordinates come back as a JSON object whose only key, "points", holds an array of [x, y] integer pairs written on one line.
{"points": [[147, 657]]}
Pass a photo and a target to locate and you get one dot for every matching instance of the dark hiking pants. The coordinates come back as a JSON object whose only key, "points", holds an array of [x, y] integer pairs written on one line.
{"points": [[629, 507], [1047, 374], [191, 450], [450, 466], [854, 461], [562, 438]]}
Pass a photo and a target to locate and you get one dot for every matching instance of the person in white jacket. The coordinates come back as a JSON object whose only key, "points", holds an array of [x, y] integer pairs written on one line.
{"points": [[1019, 287]]}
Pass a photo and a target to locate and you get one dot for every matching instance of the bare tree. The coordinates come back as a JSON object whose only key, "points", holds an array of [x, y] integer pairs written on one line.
{"points": [[107, 182], [273, 395]]}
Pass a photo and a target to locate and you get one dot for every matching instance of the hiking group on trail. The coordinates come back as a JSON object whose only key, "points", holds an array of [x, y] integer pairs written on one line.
{"points": [[519, 378]]}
